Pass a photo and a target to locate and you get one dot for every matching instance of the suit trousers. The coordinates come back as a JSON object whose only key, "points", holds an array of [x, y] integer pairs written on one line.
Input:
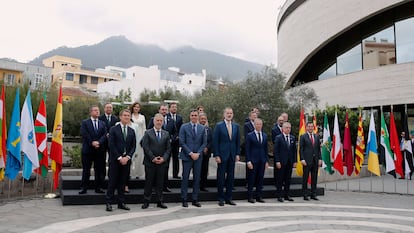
{"points": [[98, 160], [204, 170], [255, 179], [282, 178], [117, 174], [225, 177], [154, 176], [196, 167], [313, 170], [174, 156]]}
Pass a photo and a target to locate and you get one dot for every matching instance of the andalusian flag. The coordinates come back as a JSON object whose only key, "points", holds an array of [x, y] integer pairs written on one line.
{"points": [[3, 133], [360, 146], [337, 148], [373, 163], [28, 139], [395, 146], [14, 161], [302, 130], [41, 138], [327, 146], [348, 156], [56, 149], [385, 143]]}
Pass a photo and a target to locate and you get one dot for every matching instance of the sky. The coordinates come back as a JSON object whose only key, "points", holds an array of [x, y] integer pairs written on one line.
{"points": [[244, 29]]}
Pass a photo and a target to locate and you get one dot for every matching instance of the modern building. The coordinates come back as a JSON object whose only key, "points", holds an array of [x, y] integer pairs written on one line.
{"points": [[352, 53], [15, 73]]}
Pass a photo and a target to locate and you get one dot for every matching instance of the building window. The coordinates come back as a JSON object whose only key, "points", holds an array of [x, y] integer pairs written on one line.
{"points": [[405, 40], [94, 80], [83, 79], [9, 79], [69, 76], [379, 49], [349, 61], [328, 73], [38, 79]]}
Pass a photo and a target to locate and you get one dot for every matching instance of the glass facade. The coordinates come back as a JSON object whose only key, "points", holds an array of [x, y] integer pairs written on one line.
{"points": [[405, 40]]}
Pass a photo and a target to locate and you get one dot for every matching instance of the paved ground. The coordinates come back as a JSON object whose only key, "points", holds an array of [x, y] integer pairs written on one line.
{"points": [[337, 211]]}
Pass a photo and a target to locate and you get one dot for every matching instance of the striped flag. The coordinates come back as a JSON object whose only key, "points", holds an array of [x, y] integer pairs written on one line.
{"points": [[395, 146], [337, 148], [41, 138], [14, 161], [56, 149], [3, 133], [385, 143], [348, 156], [28, 139], [372, 152], [327, 146], [360, 146], [315, 124], [302, 130]]}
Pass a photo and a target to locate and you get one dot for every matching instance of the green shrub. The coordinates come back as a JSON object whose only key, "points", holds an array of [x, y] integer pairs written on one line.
{"points": [[75, 155]]}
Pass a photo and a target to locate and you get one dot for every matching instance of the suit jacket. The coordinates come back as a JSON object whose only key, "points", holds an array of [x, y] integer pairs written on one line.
{"points": [[276, 130], [224, 147], [307, 150], [118, 145], [209, 134], [178, 123], [153, 148], [189, 143], [114, 120], [169, 127], [282, 153], [89, 134], [248, 127], [256, 152]]}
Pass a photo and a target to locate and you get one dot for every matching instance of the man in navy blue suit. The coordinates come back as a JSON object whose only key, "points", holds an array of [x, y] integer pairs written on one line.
{"points": [[122, 143], [284, 151], [93, 132], [110, 120], [277, 129], [193, 140], [226, 144], [256, 160], [208, 149], [175, 144]]}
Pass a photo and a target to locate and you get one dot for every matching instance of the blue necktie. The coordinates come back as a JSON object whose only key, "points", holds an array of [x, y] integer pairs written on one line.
{"points": [[158, 135], [194, 130]]}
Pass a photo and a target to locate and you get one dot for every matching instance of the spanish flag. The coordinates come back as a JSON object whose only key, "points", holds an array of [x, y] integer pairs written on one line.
{"points": [[56, 149], [302, 130]]}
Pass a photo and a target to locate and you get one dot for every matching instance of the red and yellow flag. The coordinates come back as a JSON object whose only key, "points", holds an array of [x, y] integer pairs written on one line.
{"points": [[302, 130], [3, 133], [359, 146], [41, 139], [56, 149], [315, 124]]}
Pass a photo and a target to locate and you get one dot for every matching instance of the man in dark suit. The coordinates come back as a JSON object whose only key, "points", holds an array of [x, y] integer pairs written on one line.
{"points": [[277, 129], [110, 120], [284, 151], [169, 126], [175, 144], [249, 125], [193, 140], [157, 148], [226, 143], [93, 132], [310, 157], [122, 143], [256, 160], [206, 152]]}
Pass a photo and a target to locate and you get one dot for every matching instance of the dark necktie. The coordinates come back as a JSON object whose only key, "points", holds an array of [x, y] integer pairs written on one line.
{"points": [[158, 135], [125, 132], [95, 125], [194, 130], [109, 119], [260, 137], [287, 140], [312, 140]]}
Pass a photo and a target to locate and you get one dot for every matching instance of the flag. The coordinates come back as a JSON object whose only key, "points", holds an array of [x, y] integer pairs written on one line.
{"points": [[13, 163], [302, 130], [348, 156], [407, 148], [28, 139], [395, 147], [56, 149], [337, 148], [315, 125], [326, 146], [3, 133], [385, 143], [41, 138], [373, 163], [360, 146]]}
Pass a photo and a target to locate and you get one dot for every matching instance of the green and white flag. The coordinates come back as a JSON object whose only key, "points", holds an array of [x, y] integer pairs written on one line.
{"points": [[326, 146], [385, 143]]}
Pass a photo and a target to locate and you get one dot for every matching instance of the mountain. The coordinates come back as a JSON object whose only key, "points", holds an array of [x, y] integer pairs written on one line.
{"points": [[121, 52]]}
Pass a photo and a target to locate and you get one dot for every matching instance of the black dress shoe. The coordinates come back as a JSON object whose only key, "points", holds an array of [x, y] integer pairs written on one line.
{"points": [[221, 203], [288, 199], [123, 206], [279, 199], [177, 177], [83, 191], [314, 198], [166, 189], [145, 205], [230, 202], [306, 198], [99, 191], [251, 200], [185, 204], [196, 204], [260, 200], [161, 205], [108, 207], [204, 189]]}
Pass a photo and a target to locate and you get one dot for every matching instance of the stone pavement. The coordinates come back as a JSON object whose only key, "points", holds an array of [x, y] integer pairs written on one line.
{"points": [[337, 211]]}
